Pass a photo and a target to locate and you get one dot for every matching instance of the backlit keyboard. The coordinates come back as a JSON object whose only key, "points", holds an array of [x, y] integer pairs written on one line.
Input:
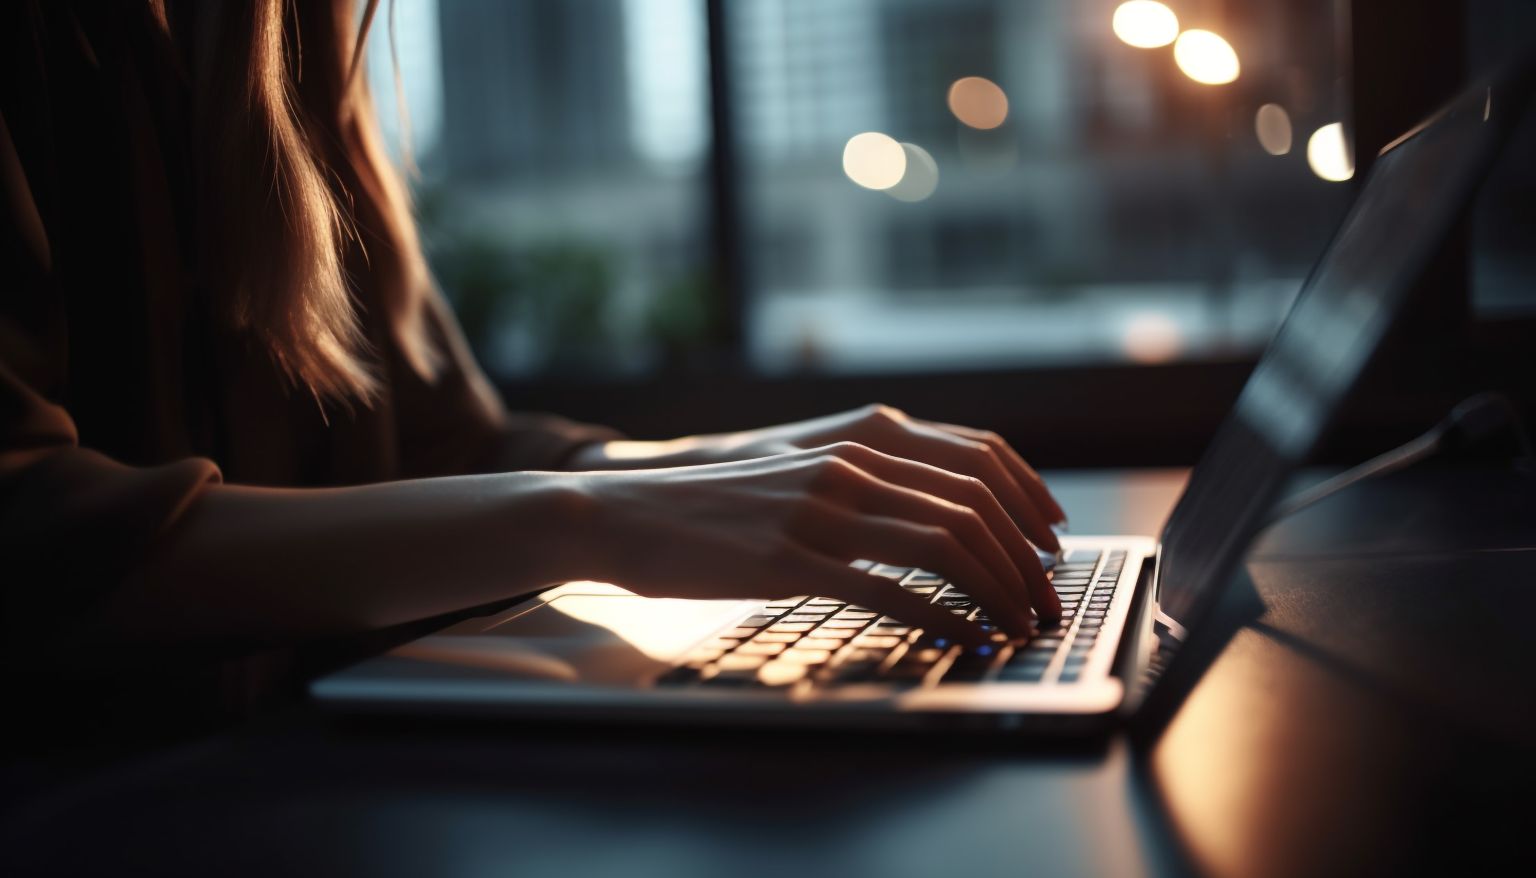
{"points": [[813, 641]]}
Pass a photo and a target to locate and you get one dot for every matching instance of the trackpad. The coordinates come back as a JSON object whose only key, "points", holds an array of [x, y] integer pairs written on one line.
{"points": [[584, 638]]}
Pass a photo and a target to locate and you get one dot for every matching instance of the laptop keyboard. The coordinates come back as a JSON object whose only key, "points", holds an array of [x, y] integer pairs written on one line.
{"points": [[812, 641]]}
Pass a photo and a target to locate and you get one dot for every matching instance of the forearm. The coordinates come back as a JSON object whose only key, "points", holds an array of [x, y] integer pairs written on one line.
{"points": [[254, 565]]}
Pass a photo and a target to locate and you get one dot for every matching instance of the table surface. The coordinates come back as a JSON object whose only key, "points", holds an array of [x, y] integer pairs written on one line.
{"points": [[1377, 715]]}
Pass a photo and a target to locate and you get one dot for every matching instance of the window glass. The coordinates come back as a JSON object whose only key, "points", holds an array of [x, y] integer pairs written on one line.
{"points": [[561, 149], [964, 183]]}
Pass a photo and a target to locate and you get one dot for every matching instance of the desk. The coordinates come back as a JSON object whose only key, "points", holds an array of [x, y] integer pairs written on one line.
{"points": [[1378, 716]]}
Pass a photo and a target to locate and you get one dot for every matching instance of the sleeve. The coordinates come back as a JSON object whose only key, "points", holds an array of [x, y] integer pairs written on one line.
{"points": [[457, 423], [73, 523]]}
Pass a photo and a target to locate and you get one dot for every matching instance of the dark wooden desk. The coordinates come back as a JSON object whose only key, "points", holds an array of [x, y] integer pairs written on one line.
{"points": [[1379, 716]]}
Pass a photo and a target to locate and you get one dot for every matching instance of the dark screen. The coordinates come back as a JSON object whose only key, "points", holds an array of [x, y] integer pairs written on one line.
{"points": [[1415, 191]]}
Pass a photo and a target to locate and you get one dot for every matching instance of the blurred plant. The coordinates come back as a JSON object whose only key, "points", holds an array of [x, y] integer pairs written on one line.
{"points": [[682, 318], [561, 293], [552, 296]]}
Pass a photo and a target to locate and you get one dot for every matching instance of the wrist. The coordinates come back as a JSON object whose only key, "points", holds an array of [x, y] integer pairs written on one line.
{"points": [[555, 517]]}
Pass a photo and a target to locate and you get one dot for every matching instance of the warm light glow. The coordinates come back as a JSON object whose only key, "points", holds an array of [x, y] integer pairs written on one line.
{"points": [[1205, 57], [921, 177], [1328, 154], [978, 102], [1152, 337], [1273, 125], [874, 160], [1145, 24]]}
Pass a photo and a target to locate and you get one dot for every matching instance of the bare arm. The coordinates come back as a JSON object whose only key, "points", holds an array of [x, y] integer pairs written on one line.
{"points": [[260, 565]]}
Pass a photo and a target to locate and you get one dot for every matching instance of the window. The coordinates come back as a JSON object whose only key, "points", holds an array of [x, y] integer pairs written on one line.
{"points": [[561, 148], [923, 184], [1100, 205]]}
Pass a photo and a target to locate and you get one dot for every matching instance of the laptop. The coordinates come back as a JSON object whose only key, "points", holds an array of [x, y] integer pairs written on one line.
{"points": [[1132, 606]]}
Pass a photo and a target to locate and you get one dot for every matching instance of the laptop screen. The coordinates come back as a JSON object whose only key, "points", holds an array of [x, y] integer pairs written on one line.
{"points": [[1415, 192]]}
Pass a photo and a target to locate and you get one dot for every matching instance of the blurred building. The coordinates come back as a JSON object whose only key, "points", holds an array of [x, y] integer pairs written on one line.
{"points": [[1117, 194]]}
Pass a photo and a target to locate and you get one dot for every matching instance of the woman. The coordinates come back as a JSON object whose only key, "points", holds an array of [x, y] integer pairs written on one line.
{"points": [[235, 413]]}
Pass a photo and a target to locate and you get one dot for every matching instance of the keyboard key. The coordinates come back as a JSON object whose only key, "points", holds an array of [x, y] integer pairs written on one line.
{"points": [[786, 605], [821, 643], [791, 628], [739, 633], [825, 602], [757, 621], [858, 654], [841, 623], [771, 636], [907, 673], [738, 662], [857, 614], [824, 631], [879, 641], [806, 617], [756, 648], [800, 655], [1026, 668], [888, 572], [923, 577], [924, 658], [781, 673], [858, 671]]}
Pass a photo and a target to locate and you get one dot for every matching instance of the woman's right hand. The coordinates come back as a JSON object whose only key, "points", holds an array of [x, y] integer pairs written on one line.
{"points": [[775, 527]]}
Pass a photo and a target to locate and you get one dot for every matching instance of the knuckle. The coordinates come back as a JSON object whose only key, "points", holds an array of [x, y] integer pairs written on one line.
{"points": [[831, 473], [847, 450], [804, 513], [968, 521], [936, 538]]}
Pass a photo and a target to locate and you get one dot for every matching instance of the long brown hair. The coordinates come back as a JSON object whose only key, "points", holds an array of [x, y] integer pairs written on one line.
{"points": [[296, 192]]}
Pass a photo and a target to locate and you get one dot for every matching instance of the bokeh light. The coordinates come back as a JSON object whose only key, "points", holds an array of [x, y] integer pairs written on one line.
{"points": [[1273, 126], [1328, 153], [1151, 337], [1206, 57], [874, 160], [978, 102], [921, 177], [1145, 24]]}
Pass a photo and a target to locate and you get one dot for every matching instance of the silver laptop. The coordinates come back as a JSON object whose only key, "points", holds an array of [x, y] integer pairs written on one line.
{"points": [[1131, 605]]}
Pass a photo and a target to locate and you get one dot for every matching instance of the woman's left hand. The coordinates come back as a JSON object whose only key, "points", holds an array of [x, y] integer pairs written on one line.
{"points": [[979, 454]]}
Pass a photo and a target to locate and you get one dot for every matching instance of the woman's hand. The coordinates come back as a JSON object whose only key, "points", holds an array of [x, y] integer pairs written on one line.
{"points": [[959, 450], [791, 523]]}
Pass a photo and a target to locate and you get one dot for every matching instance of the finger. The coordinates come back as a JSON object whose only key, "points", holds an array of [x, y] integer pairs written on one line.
{"points": [[976, 459], [1022, 471], [823, 576], [907, 489], [846, 536], [1011, 604]]}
